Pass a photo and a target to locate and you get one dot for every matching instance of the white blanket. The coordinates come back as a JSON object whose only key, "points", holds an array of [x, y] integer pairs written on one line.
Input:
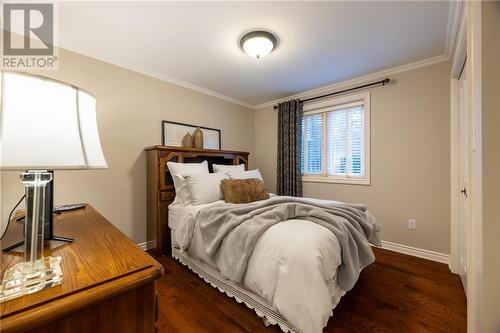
{"points": [[293, 266]]}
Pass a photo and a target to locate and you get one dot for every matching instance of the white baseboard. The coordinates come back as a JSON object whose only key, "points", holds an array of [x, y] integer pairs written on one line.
{"points": [[143, 246], [147, 245], [416, 252]]}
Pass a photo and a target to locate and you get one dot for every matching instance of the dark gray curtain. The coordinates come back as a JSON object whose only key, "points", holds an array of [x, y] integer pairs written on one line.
{"points": [[289, 144]]}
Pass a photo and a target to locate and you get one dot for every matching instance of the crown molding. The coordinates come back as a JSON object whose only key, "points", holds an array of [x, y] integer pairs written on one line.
{"points": [[308, 93], [169, 79], [359, 80], [187, 85], [454, 14]]}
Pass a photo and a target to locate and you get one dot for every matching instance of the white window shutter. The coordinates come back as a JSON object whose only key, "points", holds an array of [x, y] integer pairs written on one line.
{"points": [[336, 149], [356, 141], [334, 142], [313, 139]]}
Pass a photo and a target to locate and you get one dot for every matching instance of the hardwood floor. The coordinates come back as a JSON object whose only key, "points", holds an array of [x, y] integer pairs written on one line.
{"points": [[398, 293]]}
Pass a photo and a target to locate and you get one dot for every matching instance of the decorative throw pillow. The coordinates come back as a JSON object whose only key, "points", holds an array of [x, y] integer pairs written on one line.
{"points": [[243, 190], [219, 168], [245, 174], [177, 170], [204, 188]]}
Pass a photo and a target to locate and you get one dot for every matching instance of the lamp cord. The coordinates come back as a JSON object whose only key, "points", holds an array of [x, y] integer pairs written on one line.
{"points": [[10, 215]]}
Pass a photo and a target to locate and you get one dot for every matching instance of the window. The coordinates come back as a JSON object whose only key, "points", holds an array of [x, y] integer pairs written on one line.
{"points": [[336, 140]]}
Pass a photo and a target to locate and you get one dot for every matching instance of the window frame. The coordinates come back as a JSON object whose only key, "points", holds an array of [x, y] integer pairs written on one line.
{"points": [[330, 104]]}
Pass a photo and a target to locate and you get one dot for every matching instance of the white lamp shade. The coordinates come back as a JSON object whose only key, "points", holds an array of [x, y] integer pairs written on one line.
{"points": [[49, 125]]}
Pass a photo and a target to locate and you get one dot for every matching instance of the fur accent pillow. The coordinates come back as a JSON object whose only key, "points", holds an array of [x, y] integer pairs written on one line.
{"points": [[243, 190]]}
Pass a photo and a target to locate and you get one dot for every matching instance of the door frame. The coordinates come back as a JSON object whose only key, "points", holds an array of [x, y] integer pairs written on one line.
{"points": [[469, 47], [460, 157], [475, 274], [459, 58]]}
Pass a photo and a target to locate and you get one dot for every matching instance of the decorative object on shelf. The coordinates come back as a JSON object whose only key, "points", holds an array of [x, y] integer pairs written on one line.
{"points": [[173, 134], [187, 141], [198, 138], [45, 125]]}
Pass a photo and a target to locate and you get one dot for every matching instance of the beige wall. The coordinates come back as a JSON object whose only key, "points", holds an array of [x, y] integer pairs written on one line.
{"points": [[490, 77], [130, 107], [410, 158]]}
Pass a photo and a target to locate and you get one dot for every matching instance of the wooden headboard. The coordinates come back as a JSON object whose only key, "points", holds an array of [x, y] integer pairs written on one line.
{"points": [[161, 191]]}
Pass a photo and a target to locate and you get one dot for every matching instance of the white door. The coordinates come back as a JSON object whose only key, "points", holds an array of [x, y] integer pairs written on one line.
{"points": [[464, 176]]}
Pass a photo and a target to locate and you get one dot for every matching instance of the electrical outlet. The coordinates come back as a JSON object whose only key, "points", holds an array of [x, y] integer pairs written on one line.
{"points": [[412, 224]]}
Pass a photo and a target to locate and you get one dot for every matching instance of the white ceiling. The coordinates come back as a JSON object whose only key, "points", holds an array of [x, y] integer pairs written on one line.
{"points": [[195, 44]]}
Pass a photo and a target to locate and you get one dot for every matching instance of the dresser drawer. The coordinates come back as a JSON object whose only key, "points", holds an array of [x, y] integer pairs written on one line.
{"points": [[167, 195]]}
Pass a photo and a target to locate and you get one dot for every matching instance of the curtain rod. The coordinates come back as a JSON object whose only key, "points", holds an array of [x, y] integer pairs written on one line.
{"points": [[382, 82]]}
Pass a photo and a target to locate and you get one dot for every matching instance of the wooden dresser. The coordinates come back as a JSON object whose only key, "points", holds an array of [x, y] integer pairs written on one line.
{"points": [[161, 192], [108, 283]]}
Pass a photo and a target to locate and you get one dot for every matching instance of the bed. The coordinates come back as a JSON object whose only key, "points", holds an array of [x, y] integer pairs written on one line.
{"points": [[270, 297], [291, 276]]}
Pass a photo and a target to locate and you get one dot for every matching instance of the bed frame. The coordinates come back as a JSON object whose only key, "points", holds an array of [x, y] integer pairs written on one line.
{"points": [[161, 191]]}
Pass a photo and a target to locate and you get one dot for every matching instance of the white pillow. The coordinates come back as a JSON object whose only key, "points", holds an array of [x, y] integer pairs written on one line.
{"points": [[177, 170], [245, 174], [204, 188], [226, 168]]}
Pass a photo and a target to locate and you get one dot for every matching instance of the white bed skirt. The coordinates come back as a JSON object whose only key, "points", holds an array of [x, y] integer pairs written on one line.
{"points": [[242, 295]]}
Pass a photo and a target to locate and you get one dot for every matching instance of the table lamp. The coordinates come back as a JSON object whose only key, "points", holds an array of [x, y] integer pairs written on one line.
{"points": [[45, 125]]}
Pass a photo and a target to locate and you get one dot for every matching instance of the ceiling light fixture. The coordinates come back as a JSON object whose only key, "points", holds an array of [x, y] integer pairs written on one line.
{"points": [[258, 44]]}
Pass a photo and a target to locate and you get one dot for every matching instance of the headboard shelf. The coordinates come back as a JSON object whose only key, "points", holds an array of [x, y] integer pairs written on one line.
{"points": [[197, 150], [161, 191]]}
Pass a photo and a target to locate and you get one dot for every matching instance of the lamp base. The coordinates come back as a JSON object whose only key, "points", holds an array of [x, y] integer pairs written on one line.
{"points": [[26, 278]]}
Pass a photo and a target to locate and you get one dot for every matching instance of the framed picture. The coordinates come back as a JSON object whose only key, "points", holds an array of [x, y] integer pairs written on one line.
{"points": [[172, 134]]}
